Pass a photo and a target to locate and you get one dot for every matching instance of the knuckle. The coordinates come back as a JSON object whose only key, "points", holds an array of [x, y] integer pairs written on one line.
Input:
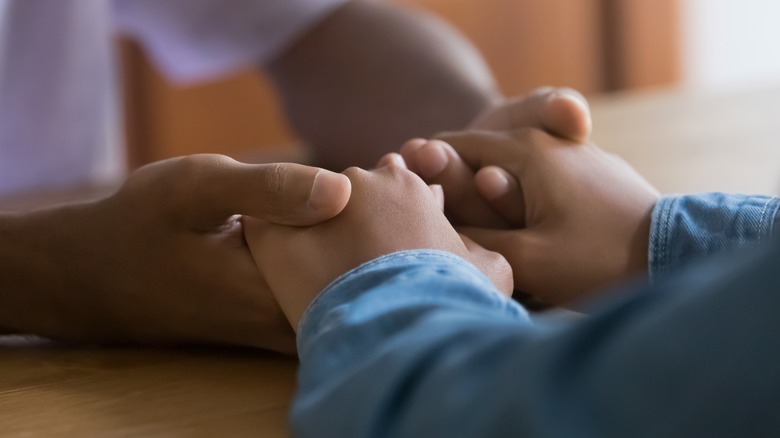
{"points": [[187, 176], [355, 173], [530, 138], [274, 181], [402, 176], [529, 134], [189, 169], [186, 167], [396, 172]]}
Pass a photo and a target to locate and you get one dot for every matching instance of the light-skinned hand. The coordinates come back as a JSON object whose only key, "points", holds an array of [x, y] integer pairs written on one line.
{"points": [[391, 209]]}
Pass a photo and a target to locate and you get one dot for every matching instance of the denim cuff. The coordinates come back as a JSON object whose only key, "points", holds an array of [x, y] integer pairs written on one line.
{"points": [[400, 275], [776, 229], [687, 228]]}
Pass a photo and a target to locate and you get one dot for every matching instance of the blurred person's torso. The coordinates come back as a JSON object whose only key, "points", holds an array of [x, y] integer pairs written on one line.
{"points": [[59, 123], [58, 99]]}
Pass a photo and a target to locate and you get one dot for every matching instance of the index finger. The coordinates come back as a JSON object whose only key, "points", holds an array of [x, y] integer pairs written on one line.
{"points": [[484, 148], [437, 163]]}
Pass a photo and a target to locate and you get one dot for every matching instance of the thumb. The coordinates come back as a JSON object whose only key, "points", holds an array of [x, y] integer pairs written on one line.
{"points": [[563, 112], [566, 113], [281, 193]]}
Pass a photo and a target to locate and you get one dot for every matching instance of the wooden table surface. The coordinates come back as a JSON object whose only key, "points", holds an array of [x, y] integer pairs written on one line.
{"points": [[51, 390], [693, 142], [681, 142]]}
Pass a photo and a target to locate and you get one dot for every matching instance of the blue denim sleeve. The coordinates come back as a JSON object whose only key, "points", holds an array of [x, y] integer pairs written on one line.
{"points": [[687, 228], [419, 344]]}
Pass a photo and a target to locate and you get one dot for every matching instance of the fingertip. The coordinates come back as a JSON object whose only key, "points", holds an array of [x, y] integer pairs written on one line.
{"points": [[492, 182], [384, 161], [413, 144], [574, 95], [567, 114], [392, 159], [329, 194], [503, 193], [432, 159], [409, 152]]}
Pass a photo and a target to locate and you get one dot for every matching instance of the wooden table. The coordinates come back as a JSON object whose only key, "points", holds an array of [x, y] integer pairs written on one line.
{"points": [[688, 142], [51, 390], [681, 142]]}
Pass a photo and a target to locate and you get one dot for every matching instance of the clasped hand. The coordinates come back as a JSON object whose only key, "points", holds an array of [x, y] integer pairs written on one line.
{"points": [[164, 261], [570, 218], [522, 185], [169, 260]]}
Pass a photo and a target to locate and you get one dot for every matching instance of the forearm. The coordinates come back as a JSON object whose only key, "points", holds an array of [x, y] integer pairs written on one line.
{"points": [[39, 260], [687, 228], [373, 75], [375, 336], [426, 348]]}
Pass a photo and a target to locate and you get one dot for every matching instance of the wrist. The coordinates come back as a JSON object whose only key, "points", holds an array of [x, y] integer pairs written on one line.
{"points": [[641, 243], [39, 259]]}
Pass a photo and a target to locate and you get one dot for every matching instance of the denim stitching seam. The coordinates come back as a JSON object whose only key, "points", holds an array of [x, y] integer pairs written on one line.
{"points": [[667, 226], [761, 224]]}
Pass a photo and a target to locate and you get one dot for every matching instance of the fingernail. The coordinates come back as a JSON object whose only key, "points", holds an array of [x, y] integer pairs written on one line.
{"points": [[433, 160], [572, 97], [580, 133], [328, 189], [495, 183]]}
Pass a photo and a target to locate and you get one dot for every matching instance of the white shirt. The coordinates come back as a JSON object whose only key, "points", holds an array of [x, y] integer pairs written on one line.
{"points": [[59, 107]]}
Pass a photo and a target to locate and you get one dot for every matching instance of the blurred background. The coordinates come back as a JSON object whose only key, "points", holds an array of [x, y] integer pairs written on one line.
{"points": [[596, 46]]}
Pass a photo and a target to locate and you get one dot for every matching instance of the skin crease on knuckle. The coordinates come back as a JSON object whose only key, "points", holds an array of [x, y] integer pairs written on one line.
{"points": [[275, 186], [177, 185], [355, 173], [275, 179], [533, 137]]}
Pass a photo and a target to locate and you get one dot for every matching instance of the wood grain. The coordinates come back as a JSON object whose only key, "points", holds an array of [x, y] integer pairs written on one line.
{"points": [[688, 142], [50, 390]]}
